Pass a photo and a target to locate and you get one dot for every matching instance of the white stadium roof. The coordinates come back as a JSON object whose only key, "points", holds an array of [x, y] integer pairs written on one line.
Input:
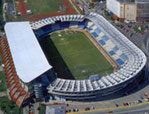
{"points": [[29, 59]]}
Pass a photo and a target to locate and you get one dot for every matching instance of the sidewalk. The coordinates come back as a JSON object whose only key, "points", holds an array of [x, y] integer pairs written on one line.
{"points": [[1, 112], [1, 68], [2, 94]]}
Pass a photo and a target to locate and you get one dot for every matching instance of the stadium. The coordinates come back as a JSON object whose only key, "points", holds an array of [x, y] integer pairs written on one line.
{"points": [[31, 73]]}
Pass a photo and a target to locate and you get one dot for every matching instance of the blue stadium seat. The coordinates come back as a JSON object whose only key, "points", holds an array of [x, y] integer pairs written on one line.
{"points": [[115, 49], [105, 38], [95, 35], [101, 42], [55, 27], [81, 25], [98, 31], [47, 29], [86, 22], [89, 29], [94, 77], [45, 79], [123, 57], [120, 62], [39, 33], [64, 25], [111, 53], [73, 24]]}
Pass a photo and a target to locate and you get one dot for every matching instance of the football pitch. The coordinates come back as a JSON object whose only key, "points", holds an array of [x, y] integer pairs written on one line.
{"points": [[74, 56], [45, 6]]}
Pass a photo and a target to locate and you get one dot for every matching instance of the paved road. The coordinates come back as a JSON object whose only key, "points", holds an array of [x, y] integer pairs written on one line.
{"points": [[144, 109], [74, 7], [134, 109]]}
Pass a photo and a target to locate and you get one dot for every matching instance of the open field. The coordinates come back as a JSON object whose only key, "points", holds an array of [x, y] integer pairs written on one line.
{"points": [[44, 9], [73, 56], [45, 6]]}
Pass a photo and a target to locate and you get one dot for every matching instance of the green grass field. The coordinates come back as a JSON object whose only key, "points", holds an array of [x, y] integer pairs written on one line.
{"points": [[45, 6], [73, 55]]}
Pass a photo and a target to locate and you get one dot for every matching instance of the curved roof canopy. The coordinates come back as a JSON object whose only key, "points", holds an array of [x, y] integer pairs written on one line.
{"points": [[29, 59]]}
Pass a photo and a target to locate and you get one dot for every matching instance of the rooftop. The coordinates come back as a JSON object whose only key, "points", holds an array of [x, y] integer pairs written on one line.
{"points": [[29, 59]]}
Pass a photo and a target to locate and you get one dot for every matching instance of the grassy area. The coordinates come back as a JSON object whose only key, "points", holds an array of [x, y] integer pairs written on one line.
{"points": [[108, 16], [45, 6], [10, 1], [1, 9], [73, 56], [42, 109], [3, 84], [140, 29], [9, 107], [1, 15], [11, 18]]}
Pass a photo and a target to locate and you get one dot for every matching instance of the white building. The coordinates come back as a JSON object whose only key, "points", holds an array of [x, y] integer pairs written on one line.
{"points": [[122, 9], [116, 7]]}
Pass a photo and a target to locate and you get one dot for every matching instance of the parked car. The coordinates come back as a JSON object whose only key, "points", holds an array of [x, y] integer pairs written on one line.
{"points": [[87, 108], [92, 107], [77, 110], [139, 101], [116, 105], [125, 104], [110, 112], [74, 110], [69, 110]]}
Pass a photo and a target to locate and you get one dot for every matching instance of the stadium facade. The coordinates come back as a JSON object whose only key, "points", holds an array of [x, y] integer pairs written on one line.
{"points": [[30, 76]]}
